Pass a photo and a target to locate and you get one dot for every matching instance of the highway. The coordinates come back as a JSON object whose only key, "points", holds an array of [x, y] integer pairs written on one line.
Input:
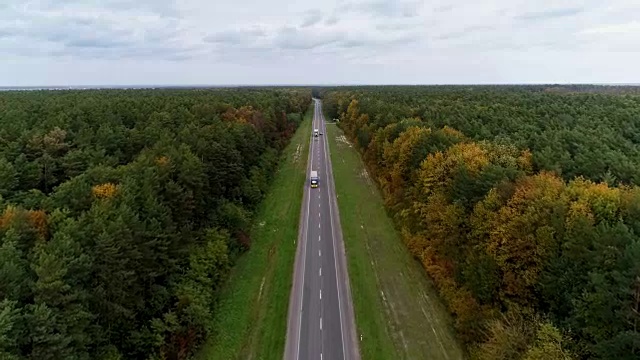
{"points": [[321, 323]]}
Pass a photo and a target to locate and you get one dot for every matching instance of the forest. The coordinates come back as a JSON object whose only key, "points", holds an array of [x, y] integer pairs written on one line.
{"points": [[520, 202], [122, 212]]}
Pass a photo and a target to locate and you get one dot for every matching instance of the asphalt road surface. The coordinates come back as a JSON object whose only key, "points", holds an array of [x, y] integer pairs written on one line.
{"points": [[321, 323]]}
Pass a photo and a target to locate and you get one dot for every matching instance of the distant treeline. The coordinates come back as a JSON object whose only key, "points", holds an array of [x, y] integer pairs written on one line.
{"points": [[590, 135], [519, 203], [121, 212]]}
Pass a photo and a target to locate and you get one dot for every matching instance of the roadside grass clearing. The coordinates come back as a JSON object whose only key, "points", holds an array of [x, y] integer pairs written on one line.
{"points": [[251, 314], [398, 312]]}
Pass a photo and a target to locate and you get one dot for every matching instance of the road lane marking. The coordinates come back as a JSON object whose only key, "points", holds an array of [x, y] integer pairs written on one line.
{"points": [[320, 323], [335, 257], [318, 237], [318, 225], [304, 255], [319, 252], [321, 274], [318, 214], [320, 294]]}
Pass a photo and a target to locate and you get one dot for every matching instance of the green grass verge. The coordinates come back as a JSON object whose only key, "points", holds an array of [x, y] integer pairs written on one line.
{"points": [[251, 316], [397, 309]]}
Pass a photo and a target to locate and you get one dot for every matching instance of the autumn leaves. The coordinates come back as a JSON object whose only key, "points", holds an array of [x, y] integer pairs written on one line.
{"points": [[529, 263]]}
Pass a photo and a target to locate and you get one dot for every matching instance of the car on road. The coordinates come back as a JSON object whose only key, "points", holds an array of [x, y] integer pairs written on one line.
{"points": [[314, 179]]}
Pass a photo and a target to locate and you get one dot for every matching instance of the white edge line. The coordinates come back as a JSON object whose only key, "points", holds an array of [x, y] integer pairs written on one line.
{"points": [[335, 257], [304, 251]]}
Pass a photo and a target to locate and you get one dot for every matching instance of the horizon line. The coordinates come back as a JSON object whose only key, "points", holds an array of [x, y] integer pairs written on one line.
{"points": [[155, 86]]}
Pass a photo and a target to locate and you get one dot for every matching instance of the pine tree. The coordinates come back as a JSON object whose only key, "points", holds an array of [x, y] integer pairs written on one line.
{"points": [[60, 318]]}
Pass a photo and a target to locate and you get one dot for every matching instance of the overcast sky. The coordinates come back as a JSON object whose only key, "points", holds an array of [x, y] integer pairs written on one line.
{"points": [[120, 42]]}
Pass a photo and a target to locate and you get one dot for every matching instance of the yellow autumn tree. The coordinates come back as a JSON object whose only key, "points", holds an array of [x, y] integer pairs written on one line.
{"points": [[453, 133], [598, 199], [524, 232], [162, 161], [8, 215], [484, 215], [38, 220], [525, 161], [397, 159], [351, 118], [438, 169], [104, 191], [547, 345], [352, 111], [374, 153]]}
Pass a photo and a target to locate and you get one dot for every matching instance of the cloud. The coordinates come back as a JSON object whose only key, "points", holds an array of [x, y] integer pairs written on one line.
{"points": [[5, 33], [164, 8], [319, 39], [297, 39], [550, 14], [384, 8], [114, 29], [313, 18], [243, 36], [404, 26], [464, 32], [90, 42], [443, 8], [365, 41], [225, 40], [332, 20], [630, 27], [67, 30]]}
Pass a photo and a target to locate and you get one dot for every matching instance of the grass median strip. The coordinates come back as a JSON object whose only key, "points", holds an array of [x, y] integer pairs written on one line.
{"points": [[398, 312], [251, 316]]}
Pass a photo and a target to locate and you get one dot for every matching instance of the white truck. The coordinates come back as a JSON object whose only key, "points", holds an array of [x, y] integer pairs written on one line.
{"points": [[314, 179], [316, 132]]}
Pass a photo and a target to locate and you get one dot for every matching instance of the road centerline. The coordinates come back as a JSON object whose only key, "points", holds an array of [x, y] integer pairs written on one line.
{"points": [[310, 309]]}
